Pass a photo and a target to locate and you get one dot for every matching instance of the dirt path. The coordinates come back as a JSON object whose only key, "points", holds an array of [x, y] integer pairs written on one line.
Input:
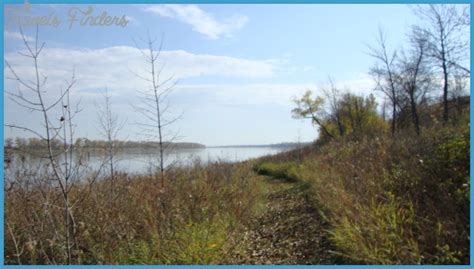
{"points": [[289, 230]]}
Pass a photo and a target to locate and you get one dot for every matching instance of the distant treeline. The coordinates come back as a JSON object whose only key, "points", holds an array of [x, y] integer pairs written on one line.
{"points": [[278, 145], [38, 144]]}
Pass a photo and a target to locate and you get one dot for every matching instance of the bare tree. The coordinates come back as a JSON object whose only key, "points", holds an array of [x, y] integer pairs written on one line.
{"points": [[414, 75], [384, 109], [384, 74], [155, 105], [110, 126], [446, 29], [333, 95], [31, 94]]}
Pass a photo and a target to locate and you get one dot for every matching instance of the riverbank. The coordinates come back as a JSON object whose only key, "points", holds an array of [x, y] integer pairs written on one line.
{"points": [[389, 201], [206, 214], [196, 218], [357, 200]]}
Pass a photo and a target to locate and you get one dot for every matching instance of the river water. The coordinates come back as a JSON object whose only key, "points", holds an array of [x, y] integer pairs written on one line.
{"points": [[138, 162]]}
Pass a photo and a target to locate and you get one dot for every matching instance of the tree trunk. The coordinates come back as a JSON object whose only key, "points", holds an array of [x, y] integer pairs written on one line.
{"points": [[445, 93], [414, 114], [394, 114]]}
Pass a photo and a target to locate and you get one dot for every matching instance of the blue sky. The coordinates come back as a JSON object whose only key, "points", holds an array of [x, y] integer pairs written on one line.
{"points": [[238, 66]]}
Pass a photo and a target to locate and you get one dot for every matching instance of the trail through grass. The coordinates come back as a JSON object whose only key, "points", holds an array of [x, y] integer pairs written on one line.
{"points": [[289, 229]]}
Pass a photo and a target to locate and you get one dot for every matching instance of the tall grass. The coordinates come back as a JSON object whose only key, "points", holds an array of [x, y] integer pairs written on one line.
{"points": [[196, 219], [391, 201]]}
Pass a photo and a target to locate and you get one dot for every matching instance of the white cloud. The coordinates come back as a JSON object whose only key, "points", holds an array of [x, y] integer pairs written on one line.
{"points": [[111, 67], [7, 35], [269, 93], [361, 84], [132, 20], [114, 67], [249, 94], [273, 93], [200, 20]]}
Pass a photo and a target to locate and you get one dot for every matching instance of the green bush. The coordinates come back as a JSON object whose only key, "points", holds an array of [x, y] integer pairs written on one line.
{"points": [[394, 201], [382, 233], [287, 170]]}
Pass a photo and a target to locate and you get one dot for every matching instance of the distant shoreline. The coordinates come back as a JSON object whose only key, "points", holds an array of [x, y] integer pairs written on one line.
{"points": [[279, 145], [124, 145]]}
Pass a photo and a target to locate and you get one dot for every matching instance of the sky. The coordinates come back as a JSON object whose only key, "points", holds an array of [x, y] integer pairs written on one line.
{"points": [[237, 67]]}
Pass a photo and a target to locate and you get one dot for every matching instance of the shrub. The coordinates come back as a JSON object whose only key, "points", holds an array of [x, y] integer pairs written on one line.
{"points": [[197, 219], [393, 201], [287, 170]]}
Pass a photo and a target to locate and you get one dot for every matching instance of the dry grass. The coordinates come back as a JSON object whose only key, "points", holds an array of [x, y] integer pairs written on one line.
{"points": [[196, 219], [392, 201]]}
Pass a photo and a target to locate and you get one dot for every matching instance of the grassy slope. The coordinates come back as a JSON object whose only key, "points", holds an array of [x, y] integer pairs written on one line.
{"points": [[378, 201], [197, 219], [390, 201]]}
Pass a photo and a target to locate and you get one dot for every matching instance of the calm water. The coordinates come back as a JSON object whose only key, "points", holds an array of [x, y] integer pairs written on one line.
{"points": [[142, 163]]}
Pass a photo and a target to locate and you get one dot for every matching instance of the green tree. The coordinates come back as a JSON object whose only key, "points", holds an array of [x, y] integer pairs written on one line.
{"points": [[309, 108], [359, 115], [356, 115]]}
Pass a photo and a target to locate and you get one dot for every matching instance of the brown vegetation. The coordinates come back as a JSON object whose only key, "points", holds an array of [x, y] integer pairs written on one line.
{"points": [[196, 219]]}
